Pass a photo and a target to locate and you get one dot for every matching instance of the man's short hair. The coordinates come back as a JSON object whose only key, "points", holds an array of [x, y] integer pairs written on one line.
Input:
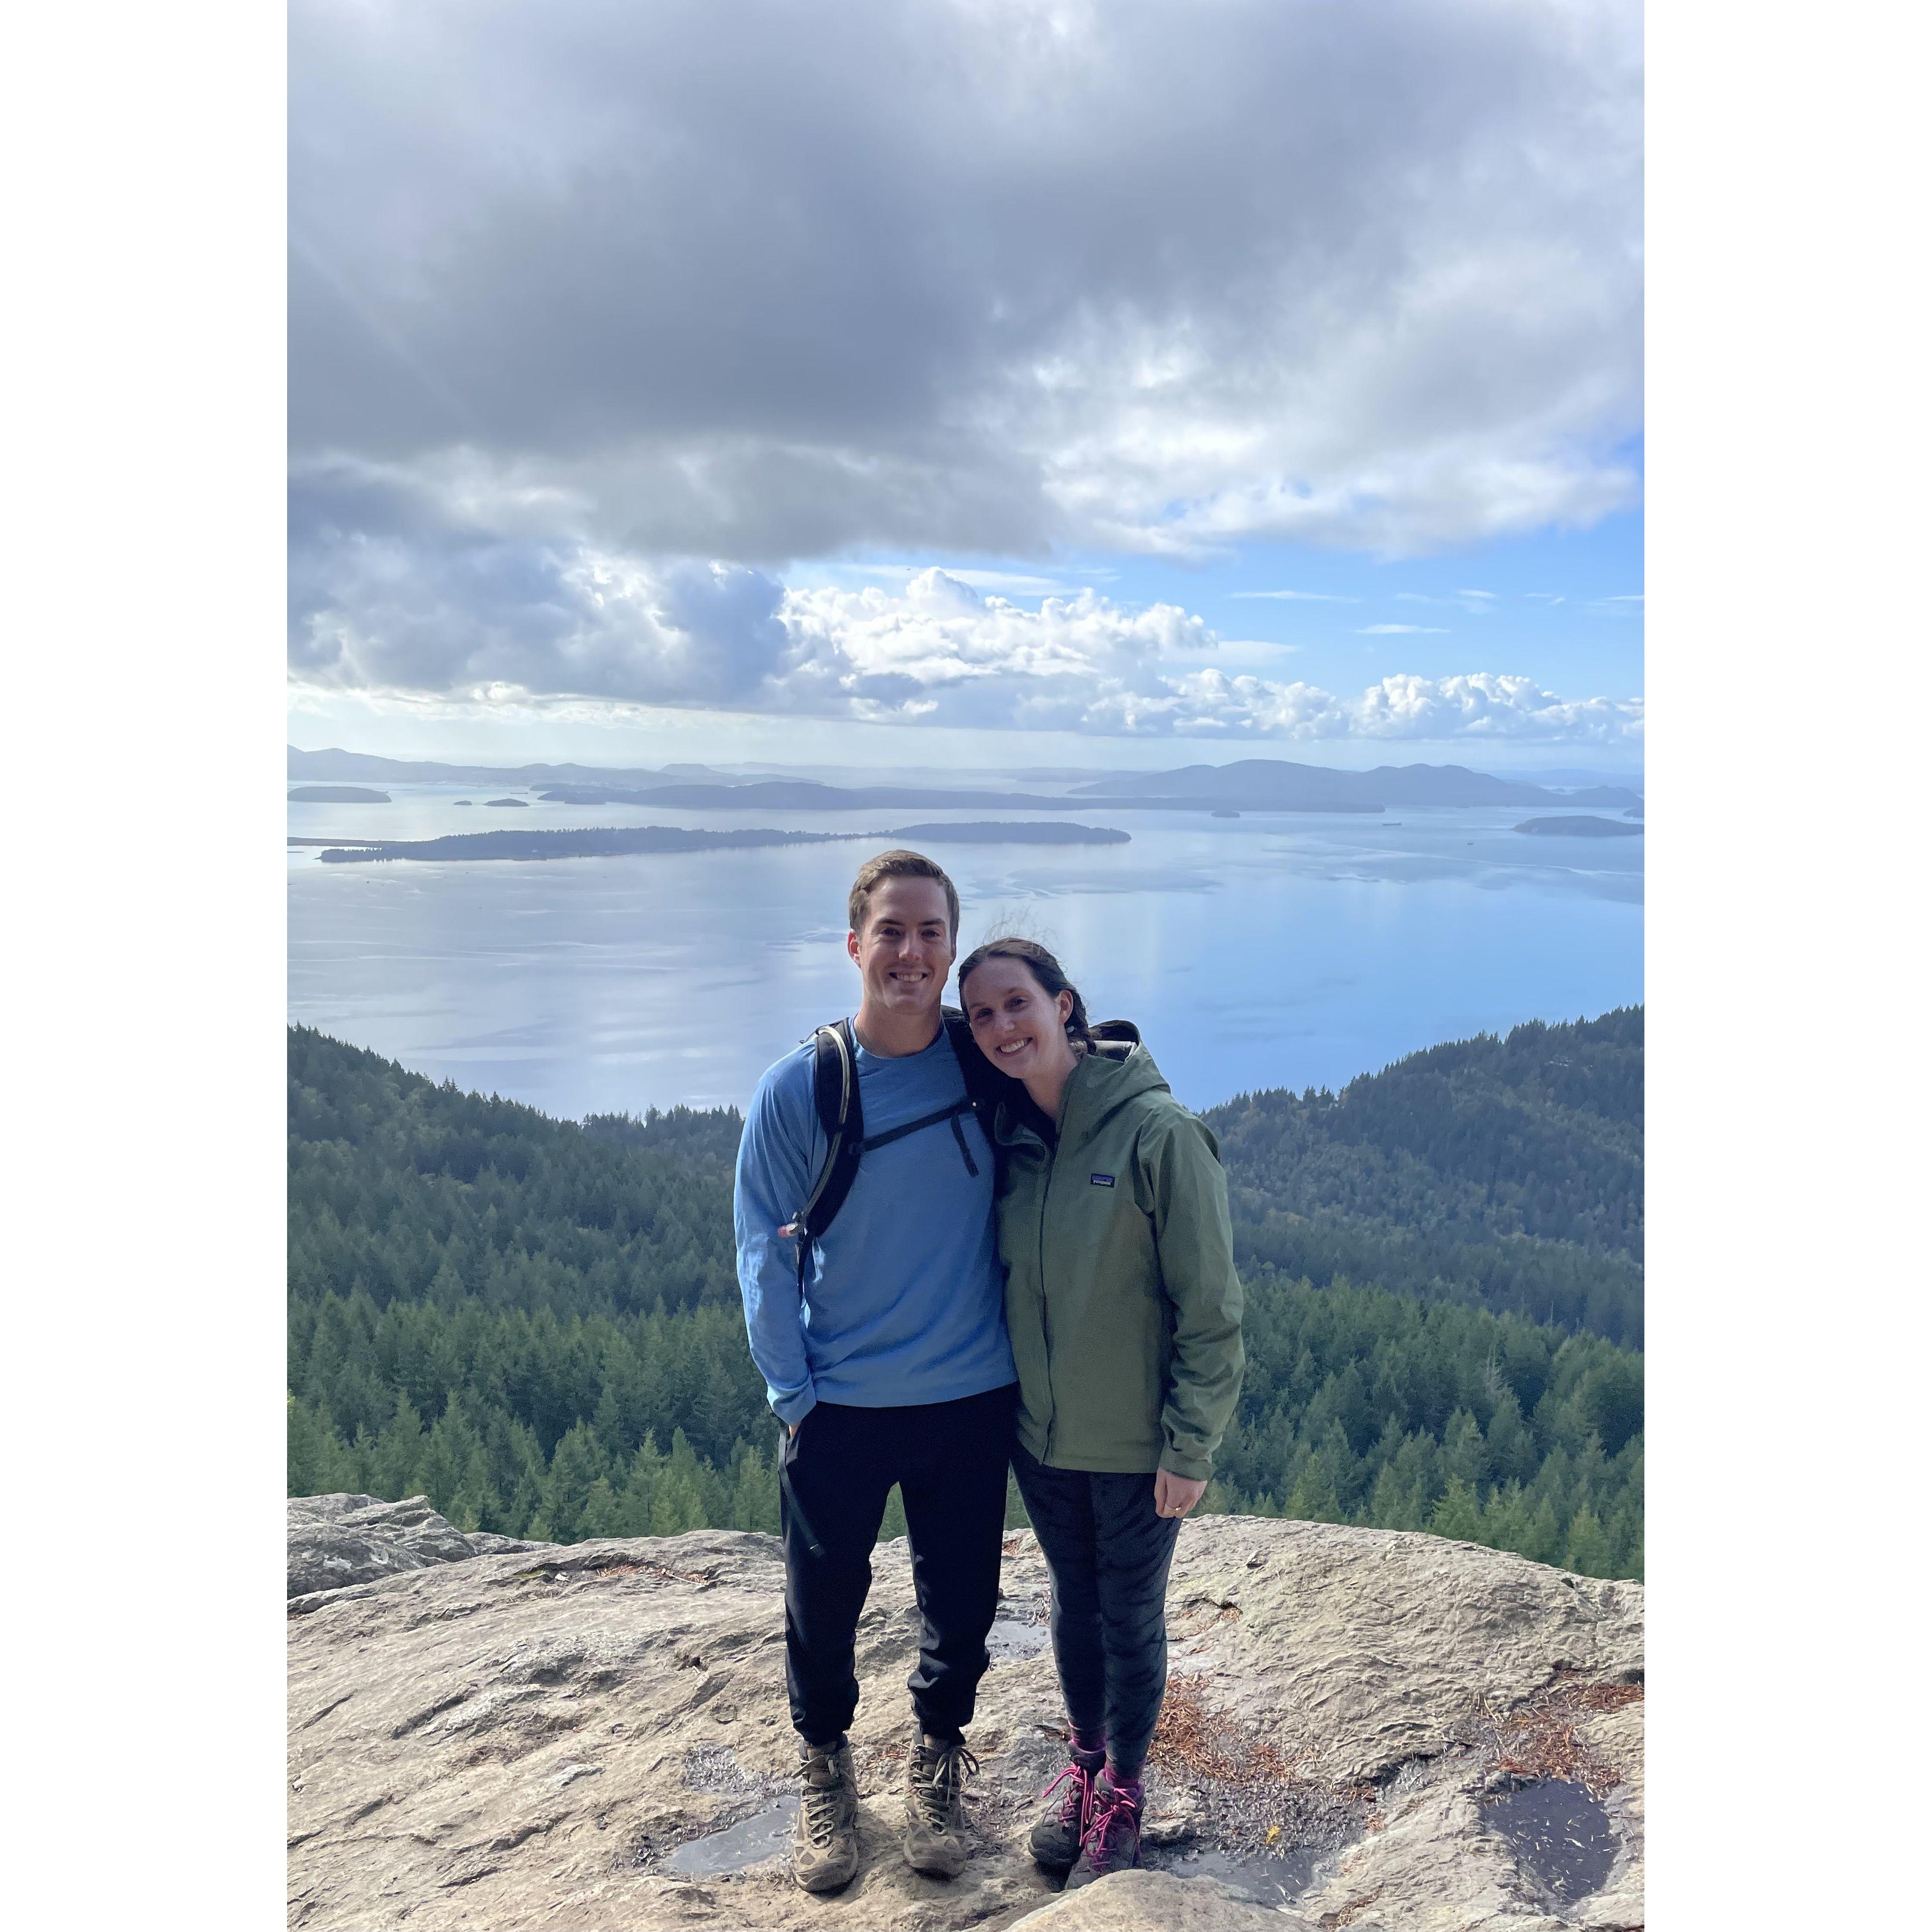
{"points": [[900, 865]]}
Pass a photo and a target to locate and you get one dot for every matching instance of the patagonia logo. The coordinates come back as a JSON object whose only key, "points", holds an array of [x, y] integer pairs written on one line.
{"points": [[1101, 1180]]}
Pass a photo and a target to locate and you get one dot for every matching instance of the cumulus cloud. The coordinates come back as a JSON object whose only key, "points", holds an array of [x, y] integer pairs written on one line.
{"points": [[492, 621], [769, 282]]}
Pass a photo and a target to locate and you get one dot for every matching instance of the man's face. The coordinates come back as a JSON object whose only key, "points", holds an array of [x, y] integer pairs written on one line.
{"points": [[905, 950]]}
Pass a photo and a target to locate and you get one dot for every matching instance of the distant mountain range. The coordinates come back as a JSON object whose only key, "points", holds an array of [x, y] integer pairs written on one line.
{"points": [[1263, 783], [808, 795], [1254, 784], [793, 795]]}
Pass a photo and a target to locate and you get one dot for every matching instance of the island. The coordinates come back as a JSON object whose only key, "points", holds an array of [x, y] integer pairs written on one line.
{"points": [[336, 795], [627, 842], [1580, 826], [520, 804], [1222, 811], [1635, 812], [998, 832]]}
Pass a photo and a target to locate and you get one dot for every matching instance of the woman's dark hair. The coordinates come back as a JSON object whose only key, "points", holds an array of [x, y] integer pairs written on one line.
{"points": [[1045, 970]]}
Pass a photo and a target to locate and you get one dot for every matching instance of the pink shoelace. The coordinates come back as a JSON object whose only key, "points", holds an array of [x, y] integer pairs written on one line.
{"points": [[1078, 1802], [1111, 1809]]}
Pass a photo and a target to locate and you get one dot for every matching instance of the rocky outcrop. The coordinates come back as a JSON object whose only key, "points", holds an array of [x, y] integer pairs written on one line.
{"points": [[1158, 1902], [1364, 1729], [337, 1541]]}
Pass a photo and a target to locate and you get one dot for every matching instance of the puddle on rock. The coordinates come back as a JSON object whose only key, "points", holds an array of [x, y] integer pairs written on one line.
{"points": [[750, 1842], [1009, 1641], [1268, 1880], [1558, 1832]]}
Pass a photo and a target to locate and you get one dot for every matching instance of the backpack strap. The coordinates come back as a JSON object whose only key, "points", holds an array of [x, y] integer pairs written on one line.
{"points": [[835, 1093]]}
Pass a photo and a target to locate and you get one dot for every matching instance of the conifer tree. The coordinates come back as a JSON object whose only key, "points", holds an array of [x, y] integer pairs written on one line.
{"points": [[525, 1473], [397, 1451], [603, 1515], [1465, 1455], [311, 1451], [755, 1493], [476, 1505], [1545, 1540], [1389, 1506], [1626, 1535], [640, 1488], [577, 1464], [1588, 1553], [1313, 1498], [1458, 1515], [1506, 1520], [1512, 1452]]}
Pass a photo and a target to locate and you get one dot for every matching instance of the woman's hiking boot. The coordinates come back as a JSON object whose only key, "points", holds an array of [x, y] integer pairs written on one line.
{"points": [[1054, 1840], [935, 1829], [825, 1842], [1112, 1840]]}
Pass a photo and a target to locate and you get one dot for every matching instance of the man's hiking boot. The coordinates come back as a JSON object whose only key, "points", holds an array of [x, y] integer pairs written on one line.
{"points": [[1054, 1840], [1112, 1842], [825, 1842], [935, 1828]]}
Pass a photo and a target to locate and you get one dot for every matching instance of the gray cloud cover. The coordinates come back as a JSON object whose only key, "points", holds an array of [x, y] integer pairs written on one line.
{"points": [[582, 291]]}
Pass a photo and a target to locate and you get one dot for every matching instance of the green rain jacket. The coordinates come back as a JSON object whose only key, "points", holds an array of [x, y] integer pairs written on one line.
{"points": [[1122, 1299]]}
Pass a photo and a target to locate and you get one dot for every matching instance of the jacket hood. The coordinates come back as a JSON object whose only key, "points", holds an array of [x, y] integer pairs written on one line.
{"points": [[1117, 1071]]}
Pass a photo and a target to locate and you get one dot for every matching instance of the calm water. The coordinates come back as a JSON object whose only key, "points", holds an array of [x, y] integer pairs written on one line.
{"points": [[1274, 949]]}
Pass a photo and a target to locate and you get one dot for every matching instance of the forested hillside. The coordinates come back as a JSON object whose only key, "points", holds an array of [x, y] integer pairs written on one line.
{"points": [[537, 1323], [1505, 1173]]}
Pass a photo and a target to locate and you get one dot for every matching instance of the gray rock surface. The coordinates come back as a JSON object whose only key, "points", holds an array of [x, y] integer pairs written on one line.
{"points": [[595, 1736], [1151, 1901], [336, 1541]]}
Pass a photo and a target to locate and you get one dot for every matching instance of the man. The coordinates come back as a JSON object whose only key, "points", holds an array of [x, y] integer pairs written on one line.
{"points": [[884, 1353]]}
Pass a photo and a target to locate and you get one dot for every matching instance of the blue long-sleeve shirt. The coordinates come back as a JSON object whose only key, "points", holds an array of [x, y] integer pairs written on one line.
{"points": [[903, 1300]]}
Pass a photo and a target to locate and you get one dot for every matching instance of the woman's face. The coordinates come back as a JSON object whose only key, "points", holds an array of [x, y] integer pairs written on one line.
{"points": [[1018, 1025]]}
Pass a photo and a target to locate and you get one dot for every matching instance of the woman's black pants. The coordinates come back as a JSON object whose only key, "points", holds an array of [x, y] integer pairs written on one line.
{"points": [[1109, 1553]]}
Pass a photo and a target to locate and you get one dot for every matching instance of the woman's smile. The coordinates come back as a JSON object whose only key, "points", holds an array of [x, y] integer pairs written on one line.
{"points": [[1020, 1027]]}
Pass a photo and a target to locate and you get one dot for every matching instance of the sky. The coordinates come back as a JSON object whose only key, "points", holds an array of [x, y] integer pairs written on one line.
{"points": [[971, 382]]}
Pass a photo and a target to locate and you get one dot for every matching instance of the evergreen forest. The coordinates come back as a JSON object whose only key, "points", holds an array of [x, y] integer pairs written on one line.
{"points": [[536, 1322], [1505, 1173]]}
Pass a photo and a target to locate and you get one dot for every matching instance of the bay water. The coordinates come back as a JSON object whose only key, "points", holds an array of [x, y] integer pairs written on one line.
{"points": [[1277, 949]]}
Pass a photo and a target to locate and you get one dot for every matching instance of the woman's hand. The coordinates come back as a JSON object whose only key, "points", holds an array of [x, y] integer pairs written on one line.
{"points": [[1175, 1495]]}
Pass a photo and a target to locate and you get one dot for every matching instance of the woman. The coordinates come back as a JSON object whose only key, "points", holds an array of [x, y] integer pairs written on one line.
{"points": [[1125, 1314]]}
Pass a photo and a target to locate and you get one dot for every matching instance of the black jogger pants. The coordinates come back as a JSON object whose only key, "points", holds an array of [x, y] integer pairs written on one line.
{"points": [[949, 1461], [1109, 1553]]}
